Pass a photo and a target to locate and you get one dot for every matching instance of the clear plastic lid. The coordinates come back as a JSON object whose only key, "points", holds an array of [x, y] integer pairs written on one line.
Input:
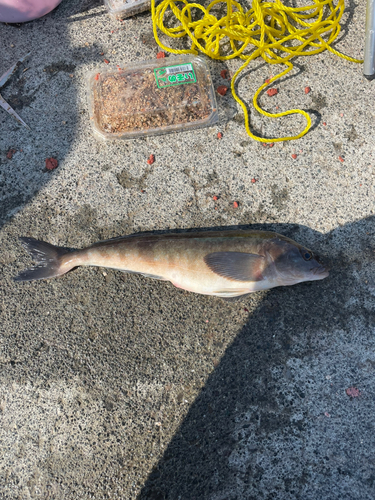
{"points": [[120, 9], [152, 97]]}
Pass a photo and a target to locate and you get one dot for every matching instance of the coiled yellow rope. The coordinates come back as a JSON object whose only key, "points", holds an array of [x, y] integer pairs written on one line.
{"points": [[270, 30]]}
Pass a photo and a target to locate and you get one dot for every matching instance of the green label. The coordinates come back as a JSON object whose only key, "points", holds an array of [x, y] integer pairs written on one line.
{"points": [[174, 75]]}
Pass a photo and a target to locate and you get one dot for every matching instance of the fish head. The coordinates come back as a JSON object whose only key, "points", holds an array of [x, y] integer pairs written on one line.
{"points": [[294, 263]]}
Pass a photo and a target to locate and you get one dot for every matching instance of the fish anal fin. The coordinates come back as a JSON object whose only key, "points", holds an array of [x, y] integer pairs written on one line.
{"points": [[237, 298], [152, 276], [236, 266]]}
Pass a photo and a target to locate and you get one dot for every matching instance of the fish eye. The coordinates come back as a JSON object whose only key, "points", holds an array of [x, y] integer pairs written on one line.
{"points": [[306, 255]]}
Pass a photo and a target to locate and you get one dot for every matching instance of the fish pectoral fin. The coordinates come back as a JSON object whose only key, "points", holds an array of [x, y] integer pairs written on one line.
{"points": [[237, 266]]}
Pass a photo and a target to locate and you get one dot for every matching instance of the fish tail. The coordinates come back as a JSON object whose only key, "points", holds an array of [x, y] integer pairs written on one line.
{"points": [[50, 261]]}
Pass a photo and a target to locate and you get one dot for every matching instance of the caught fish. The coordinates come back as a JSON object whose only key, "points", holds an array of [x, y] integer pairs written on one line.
{"points": [[227, 263]]}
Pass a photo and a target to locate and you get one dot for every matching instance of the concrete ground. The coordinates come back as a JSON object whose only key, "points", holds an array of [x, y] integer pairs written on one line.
{"points": [[117, 386]]}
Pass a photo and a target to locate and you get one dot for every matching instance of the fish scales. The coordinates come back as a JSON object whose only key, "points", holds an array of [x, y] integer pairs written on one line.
{"points": [[174, 258], [224, 263]]}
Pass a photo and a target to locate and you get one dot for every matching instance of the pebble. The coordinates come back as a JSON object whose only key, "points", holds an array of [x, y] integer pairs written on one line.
{"points": [[51, 163], [222, 90], [272, 92]]}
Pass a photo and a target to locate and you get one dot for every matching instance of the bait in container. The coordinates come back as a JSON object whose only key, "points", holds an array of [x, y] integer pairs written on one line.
{"points": [[151, 98]]}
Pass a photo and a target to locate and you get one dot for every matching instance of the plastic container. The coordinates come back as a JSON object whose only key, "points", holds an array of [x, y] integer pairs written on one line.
{"points": [[120, 9], [151, 98]]}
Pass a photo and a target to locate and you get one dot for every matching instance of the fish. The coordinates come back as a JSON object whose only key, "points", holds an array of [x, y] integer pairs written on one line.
{"points": [[226, 263]]}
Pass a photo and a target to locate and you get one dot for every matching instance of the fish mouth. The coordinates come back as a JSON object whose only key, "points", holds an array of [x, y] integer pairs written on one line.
{"points": [[320, 272]]}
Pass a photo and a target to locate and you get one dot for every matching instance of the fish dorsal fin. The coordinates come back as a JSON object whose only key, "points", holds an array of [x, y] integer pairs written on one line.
{"points": [[236, 266]]}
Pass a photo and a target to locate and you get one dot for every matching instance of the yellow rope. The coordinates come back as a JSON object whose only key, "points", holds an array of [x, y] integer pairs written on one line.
{"points": [[269, 30]]}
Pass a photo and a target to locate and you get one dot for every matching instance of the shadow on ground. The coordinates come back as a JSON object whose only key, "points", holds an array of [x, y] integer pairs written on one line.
{"points": [[43, 91], [273, 420], [108, 376]]}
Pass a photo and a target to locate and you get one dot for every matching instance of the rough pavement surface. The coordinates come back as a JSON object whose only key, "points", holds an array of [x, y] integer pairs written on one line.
{"points": [[117, 386]]}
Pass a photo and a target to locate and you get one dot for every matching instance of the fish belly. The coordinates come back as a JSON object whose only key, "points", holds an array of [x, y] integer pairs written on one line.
{"points": [[180, 261]]}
